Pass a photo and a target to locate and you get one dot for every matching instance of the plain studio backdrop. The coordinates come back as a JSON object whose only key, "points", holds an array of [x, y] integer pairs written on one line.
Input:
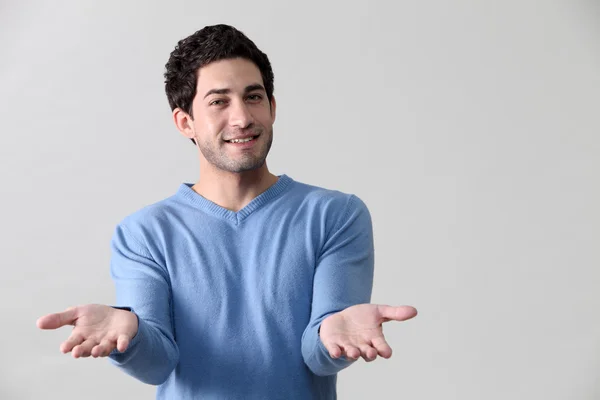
{"points": [[470, 129]]}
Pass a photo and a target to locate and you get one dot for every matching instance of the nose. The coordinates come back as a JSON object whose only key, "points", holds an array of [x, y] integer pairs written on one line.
{"points": [[240, 115]]}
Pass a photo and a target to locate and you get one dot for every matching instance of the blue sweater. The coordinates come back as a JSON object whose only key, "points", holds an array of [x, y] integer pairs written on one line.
{"points": [[229, 303]]}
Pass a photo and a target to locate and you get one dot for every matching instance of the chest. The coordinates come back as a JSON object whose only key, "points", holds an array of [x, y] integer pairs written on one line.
{"points": [[266, 269]]}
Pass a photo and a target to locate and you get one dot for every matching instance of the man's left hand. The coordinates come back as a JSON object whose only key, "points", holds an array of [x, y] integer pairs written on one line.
{"points": [[357, 331]]}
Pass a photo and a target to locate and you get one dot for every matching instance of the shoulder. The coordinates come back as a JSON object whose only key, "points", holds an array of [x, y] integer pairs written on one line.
{"points": [[333, 204], [149, 219]]}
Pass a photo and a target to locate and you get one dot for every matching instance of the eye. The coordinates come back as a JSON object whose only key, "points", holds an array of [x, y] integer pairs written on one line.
{"points": [[254, 97], [218, 102]]}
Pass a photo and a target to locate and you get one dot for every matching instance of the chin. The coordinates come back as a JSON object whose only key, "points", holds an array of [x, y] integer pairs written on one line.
{"points": [[248, 167]]}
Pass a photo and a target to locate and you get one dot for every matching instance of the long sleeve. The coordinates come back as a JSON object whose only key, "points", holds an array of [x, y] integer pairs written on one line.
{"points": [[343, 277], [143, 285]]}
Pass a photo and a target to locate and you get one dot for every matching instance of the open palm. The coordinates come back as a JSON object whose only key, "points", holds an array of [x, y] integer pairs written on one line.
{"points": [[358, 331], [98, 329]]}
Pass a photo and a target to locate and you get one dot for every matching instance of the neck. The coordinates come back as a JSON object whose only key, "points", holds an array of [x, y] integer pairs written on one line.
{"points": [[233, 190]]}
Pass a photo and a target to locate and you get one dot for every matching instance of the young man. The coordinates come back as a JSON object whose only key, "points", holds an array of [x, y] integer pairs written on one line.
{"points": [[245, 285]]}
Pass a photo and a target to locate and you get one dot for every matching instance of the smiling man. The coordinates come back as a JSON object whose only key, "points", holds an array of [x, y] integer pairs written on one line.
{"points": [[246, 284]]}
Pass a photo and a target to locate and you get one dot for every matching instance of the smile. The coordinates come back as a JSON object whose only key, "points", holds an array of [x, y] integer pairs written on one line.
{"points": [[245, 140]]}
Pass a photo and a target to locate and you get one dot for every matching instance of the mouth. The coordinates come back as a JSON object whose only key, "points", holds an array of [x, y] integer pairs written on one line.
{"points": [[246, 140]]}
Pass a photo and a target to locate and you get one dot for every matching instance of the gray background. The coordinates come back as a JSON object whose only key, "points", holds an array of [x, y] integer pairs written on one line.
{"points": [[470, 129]]}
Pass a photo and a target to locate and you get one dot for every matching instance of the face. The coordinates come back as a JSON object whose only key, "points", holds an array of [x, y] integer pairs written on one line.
{"points": [[232, 118]]}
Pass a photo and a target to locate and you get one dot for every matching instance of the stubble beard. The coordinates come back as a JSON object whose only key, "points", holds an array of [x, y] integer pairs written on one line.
{"points": [[217, 156]]}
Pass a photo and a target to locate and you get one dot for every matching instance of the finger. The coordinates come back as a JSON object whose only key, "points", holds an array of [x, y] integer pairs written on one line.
{"points": [[56, 320], [334, 350], [383, 349], [71, 342], [85, 348], [399, 313], [104, 348], [351, 352], [368, 353], [122, 343]]}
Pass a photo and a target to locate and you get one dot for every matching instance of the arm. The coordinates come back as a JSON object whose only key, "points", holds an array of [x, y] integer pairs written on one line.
{"points": [[144, 286], [343, 278]]}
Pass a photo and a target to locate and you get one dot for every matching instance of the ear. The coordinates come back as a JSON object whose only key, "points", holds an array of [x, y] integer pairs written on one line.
{"points": [[183, 121], [273, 109]]}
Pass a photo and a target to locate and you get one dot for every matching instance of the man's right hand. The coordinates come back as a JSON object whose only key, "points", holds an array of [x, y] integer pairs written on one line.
{"points": [[98, 329]]}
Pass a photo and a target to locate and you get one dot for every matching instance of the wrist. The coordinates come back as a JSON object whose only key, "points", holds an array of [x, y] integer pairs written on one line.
{"points": [[129, 320]]}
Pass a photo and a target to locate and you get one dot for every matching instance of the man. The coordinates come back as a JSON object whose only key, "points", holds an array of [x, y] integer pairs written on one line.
{"points": [[245, 285]]}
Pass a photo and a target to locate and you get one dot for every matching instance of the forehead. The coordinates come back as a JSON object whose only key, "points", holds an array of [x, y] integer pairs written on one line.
{"points": [[234, 74]]}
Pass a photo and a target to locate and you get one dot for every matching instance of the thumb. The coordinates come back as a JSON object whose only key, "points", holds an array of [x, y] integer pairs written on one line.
{"points": [[56, 320], [396, 313]]}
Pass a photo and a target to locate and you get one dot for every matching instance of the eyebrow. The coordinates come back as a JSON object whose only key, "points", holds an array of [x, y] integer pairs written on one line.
{"points": [[249, 88]]}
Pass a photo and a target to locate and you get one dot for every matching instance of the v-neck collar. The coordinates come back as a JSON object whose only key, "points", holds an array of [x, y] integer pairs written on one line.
{"points": [[185, 191]]}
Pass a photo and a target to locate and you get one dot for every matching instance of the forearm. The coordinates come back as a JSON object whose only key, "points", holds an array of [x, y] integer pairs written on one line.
{"points": [[335, 289], [151, 355]]}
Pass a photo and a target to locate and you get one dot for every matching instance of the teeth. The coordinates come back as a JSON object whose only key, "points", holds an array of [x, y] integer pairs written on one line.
{"points": [[241, 140]]}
